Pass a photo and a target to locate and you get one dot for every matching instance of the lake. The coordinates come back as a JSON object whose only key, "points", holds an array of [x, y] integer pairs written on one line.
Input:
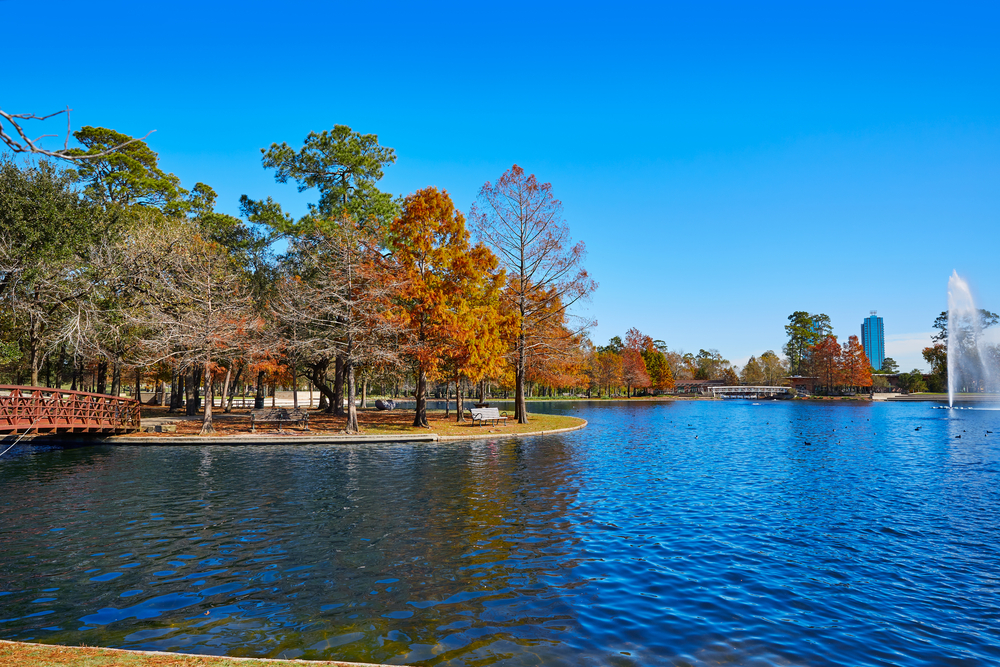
{"points": [[673, 533]]}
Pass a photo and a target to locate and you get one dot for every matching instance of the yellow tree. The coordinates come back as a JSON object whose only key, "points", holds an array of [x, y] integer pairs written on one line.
{"points": [[480, 328], [752, 373], [441, 302]]}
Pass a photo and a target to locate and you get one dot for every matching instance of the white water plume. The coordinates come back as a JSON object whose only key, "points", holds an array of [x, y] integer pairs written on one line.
{"points": [[970, 354]]}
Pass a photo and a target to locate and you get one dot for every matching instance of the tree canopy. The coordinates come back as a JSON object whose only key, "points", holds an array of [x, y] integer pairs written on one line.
{"points": [[125, 171], [345, 167]]}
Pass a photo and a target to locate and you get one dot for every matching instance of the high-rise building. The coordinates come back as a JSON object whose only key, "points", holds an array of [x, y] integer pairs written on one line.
{"points": [[873, 340]]}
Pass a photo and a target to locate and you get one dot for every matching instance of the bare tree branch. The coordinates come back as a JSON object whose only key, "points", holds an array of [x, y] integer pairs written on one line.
{"points": [[18, 141]]}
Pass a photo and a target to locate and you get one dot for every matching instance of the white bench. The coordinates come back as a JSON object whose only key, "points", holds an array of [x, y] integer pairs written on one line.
{"points": [[483, 415]]}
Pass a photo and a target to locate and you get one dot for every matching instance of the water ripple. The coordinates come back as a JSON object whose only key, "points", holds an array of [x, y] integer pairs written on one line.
{"points": [[784, 534]]}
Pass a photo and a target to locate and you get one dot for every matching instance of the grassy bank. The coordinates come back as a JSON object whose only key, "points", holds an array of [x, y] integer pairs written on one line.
{"points": [[371, 422], [15, 654]]}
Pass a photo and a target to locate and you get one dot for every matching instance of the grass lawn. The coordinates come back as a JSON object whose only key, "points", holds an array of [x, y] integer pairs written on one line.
{"points": [[371, 421], [13, 654]]}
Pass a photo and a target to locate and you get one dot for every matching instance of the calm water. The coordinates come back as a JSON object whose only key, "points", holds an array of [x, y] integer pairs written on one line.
{"points": [[687, 533]]}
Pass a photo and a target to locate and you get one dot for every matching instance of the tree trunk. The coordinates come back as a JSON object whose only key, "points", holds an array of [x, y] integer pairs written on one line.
{"points": [[520, 404], [352, 410], [116, 379], [196, 378], [102, 378], [174, 390], [191, 408], [338, 387], [206, 423], [364, 393], [258, 398], [459, 406], [232, 394], [35, 355], [319, 373], [326, 398], [225, 388], [420, 416], [447, 399], [138, 385], [295, 385]]}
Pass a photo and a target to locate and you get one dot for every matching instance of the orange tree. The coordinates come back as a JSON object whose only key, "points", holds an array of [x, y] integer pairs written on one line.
{"points": [[827, 362], [555, 346], [857, 368], [559, 362], [443, 303], [609, 370]]}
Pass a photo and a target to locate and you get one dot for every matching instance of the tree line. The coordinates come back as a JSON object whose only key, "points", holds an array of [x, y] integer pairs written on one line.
{"points": [[641, 365], [112, 274]]}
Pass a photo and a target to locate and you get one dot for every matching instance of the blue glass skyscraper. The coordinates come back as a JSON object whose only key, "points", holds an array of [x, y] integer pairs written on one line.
{"points": [[873, 340]]}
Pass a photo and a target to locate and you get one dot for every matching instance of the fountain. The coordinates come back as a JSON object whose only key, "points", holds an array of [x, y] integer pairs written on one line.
{"points": [[970, 355]]}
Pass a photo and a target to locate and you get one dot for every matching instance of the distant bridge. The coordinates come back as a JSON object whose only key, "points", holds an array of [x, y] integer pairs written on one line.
{"points": [[43, 410], [747, 391]]}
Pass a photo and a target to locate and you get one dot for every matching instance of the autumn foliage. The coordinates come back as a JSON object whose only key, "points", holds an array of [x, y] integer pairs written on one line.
{"points": [[448, 298], [840, 366]]}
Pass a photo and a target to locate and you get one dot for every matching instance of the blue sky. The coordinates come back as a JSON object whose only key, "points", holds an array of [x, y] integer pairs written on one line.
{"points": [[726, 164]]}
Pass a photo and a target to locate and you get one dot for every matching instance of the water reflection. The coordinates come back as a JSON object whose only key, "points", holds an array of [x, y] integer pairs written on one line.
{"points": [[671, 533], [364, 552]]}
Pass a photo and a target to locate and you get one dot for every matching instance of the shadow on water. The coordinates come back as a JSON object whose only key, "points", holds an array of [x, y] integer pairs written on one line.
{"points": [[686, 533]]}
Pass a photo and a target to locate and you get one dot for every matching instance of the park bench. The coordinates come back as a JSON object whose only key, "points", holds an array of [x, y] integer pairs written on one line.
{"points": [[278, 416], [483, 415]]}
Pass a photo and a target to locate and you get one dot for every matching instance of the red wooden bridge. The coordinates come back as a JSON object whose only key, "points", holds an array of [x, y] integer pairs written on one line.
{"points": [[42, 410]]}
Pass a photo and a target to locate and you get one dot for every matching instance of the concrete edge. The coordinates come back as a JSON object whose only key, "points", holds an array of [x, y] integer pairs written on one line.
{"points": [[263, 439], [168, 654], [275, 439]]}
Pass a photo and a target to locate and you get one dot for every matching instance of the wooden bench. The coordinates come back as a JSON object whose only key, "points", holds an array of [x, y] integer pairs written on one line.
{"points": [[278, 416], [483, 415]]}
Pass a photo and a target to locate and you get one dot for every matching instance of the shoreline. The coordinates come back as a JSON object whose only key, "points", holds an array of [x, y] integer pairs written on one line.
{"points": [[285, 438], [59, 655]]}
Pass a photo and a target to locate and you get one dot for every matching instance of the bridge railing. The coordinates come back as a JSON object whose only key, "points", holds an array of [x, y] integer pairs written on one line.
{"points": [[45, 410], [743, 390]]}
